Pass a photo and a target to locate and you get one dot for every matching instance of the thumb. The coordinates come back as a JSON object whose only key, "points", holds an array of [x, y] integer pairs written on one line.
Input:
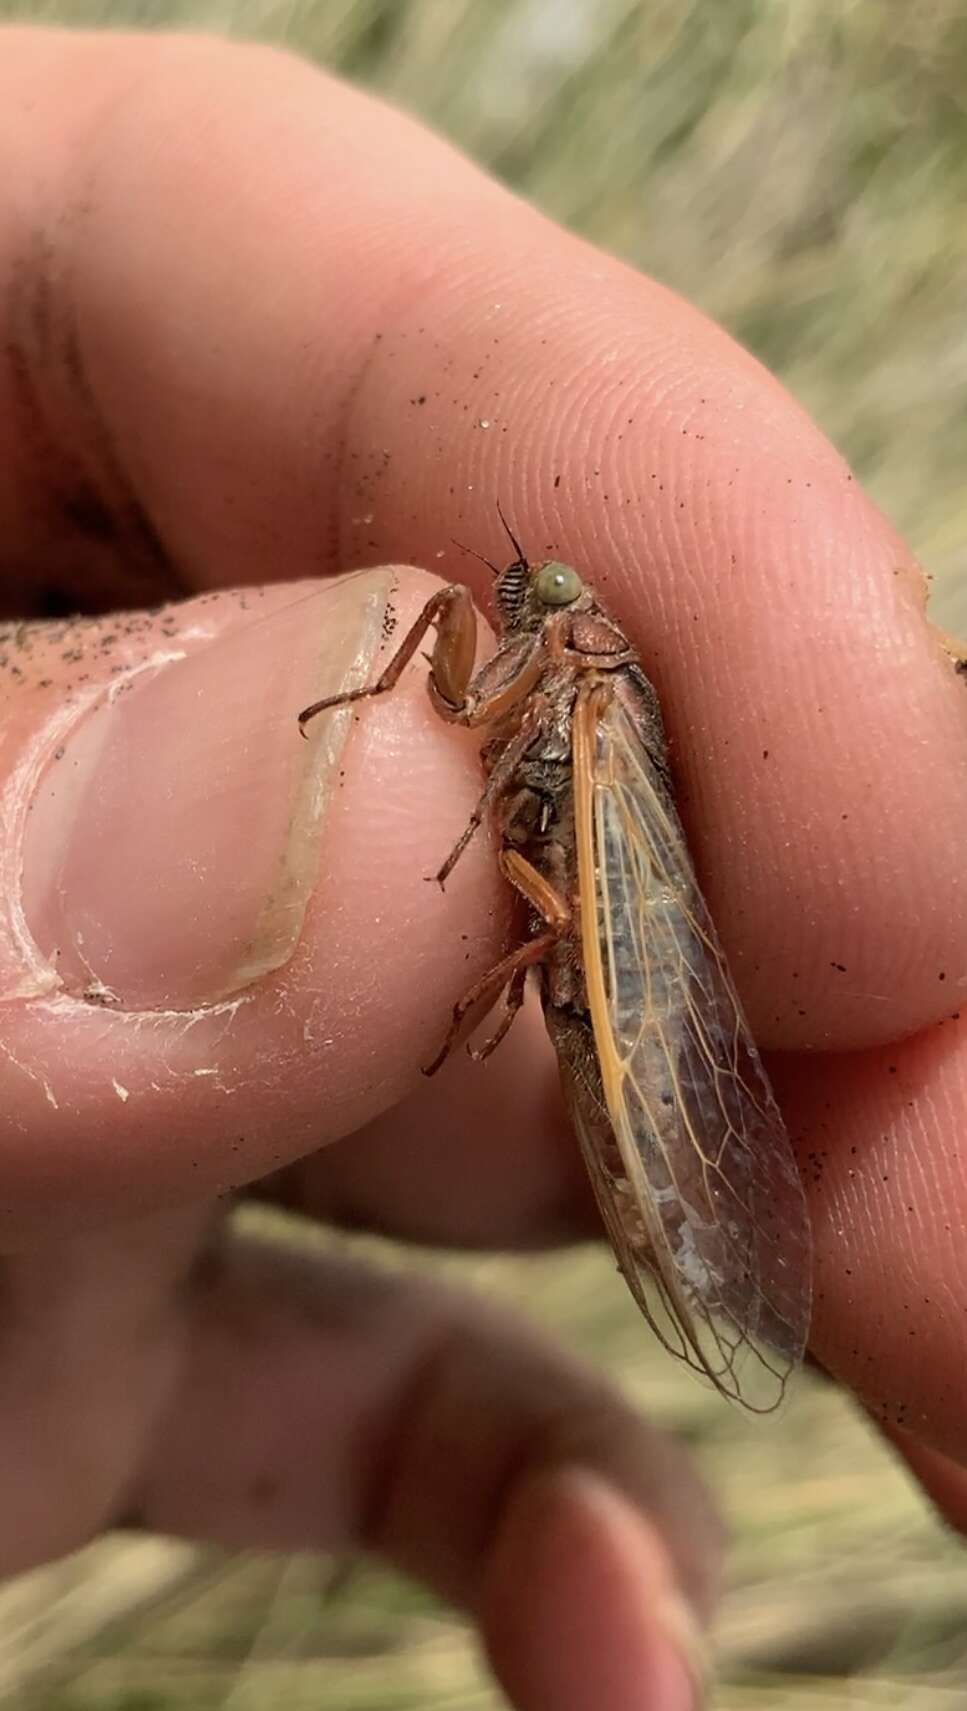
{"points": [[194, 951]]}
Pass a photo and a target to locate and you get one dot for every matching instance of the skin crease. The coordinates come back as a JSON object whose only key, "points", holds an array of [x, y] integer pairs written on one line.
{"points": [[321, 332]]}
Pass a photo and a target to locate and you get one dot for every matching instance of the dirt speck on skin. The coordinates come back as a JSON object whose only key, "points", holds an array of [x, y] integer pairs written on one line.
{"points": [[82, 640]]}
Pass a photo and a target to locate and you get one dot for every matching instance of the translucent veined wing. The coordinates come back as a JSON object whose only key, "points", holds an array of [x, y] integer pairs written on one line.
{"points": [[694, 1174]]}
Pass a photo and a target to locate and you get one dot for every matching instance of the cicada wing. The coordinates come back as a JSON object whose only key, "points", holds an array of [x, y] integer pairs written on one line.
{"points": [[615, 1195], [700, 1191]]}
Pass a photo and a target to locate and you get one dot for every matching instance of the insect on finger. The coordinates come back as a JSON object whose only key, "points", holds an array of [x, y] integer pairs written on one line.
{"points": [[683, 1141]]}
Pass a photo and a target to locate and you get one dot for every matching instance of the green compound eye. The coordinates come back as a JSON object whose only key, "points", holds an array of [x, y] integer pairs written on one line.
{"points": [[557, 584]]}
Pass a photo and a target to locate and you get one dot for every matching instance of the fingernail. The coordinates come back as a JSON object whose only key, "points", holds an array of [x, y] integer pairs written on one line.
{"points": [[171, 846]]}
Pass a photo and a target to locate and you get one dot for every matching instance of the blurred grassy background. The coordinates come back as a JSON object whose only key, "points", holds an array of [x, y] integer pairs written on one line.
{"points": [[797, 168]]}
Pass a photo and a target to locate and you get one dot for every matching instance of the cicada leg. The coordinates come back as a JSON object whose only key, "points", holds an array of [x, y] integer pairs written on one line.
{"points": [[484, 992], [451, 613], [510, 973], [540, 893], [454, 693], [513, 999], [502, 772]]}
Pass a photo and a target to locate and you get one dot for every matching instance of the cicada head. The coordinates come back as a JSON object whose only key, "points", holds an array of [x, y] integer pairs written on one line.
{"points": [[527, 594]]}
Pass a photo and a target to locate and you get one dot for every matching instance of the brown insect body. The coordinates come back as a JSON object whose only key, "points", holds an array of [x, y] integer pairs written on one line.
{"points": [[535, 812], [681, 1136]]}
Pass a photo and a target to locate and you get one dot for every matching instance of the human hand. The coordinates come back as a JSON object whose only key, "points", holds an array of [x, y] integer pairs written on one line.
{"points": [[258, 329]]}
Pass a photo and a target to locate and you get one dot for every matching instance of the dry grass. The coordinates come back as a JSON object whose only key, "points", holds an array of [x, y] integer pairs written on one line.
{"points": [[796, 167]]}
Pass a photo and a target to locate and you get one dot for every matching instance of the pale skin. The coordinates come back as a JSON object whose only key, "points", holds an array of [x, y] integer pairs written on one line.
{"points": [[820, 744]]}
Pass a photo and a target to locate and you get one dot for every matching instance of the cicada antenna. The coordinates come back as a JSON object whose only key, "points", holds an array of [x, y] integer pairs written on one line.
{"points": [[493, 568], [515, 543]]}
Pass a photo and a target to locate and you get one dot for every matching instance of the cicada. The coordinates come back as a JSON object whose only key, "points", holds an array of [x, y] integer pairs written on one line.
{"points": [[682, 1138]]}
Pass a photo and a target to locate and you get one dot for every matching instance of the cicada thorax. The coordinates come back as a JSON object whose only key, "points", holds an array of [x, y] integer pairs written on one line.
{"points": [[535, 816], [501, 669]]}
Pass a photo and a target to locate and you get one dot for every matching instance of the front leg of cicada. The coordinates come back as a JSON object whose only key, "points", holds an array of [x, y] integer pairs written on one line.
{"points": [[450, 612]]}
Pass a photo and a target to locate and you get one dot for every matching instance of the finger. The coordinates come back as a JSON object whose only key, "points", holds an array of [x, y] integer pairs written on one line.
{"points": [[481, 1155], [93, 1339], [80, 1072], [877, 846], [387, 363], [944, 1480], [211, 931], [329, 1406], [879, 1142]]}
